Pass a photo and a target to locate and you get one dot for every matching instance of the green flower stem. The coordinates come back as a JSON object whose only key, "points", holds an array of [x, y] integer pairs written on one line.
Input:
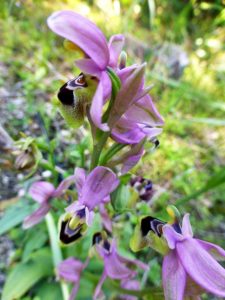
{"points": [[56, 251], [111, 152], [100, 142], [123, 157], [46, 165], [98, 146]]}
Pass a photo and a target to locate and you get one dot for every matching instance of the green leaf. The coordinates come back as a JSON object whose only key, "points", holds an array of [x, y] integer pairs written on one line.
{"points": [[36, 241], [208, 121], [215, 181], [114, 78], [14, 216], [49, 291], [110, 153], [25, 275]]}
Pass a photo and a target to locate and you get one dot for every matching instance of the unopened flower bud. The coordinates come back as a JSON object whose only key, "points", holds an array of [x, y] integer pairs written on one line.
{"points": [[122, 60], [27, 153], [25, 160], [173, 213], [143, 187]]}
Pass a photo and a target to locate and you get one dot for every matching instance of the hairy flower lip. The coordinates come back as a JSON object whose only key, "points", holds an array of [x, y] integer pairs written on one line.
{"points": [[68, 236], [152, 224]]}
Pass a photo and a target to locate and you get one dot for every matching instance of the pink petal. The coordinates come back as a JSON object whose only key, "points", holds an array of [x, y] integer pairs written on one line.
{"points": [[186, 226], [171, 236], [151, 132], [41, 191], [70, 269], [96, 111], [37, 216], [132, 160], [89, 216], [80, 177], [114, 269], [98, 294], [99, 184], [106, 220], [144, 91], [74, 207], [174, 277], [127, 94], [216, 251], [127, 132], [130, 285], [116, 43], [143, 111], [64, 185], [106, 199], [125, 73], [83, 33], [88, 66], [113, 266], [74, 291], [201, 266]]}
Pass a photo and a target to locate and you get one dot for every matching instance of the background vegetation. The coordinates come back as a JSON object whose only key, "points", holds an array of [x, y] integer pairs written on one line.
{"points": [[183, 44]]}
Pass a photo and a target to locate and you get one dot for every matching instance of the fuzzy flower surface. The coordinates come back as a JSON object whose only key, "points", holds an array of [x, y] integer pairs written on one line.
{"points": [[190, 267], [93, 190], [99, 54]]}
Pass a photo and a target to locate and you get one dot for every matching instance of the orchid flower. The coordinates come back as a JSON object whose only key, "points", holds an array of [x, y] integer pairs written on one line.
{"points": [[140, 120], [99, 54], [70, 270], [115, 266], [93, 190], [134, 115], [43, 192], [191, 266]]}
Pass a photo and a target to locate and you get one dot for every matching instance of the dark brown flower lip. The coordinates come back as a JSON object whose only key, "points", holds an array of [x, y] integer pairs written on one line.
{"points": [[99, 239], [65, 95], [151, 224], [68, 235]]}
